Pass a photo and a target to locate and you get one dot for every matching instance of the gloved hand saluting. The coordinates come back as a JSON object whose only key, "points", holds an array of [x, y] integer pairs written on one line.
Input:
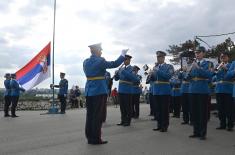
{"points": [[124, 51]]}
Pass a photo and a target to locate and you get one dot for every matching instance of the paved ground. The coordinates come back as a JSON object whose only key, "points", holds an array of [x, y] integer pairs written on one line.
{"points": [[35, 134]]}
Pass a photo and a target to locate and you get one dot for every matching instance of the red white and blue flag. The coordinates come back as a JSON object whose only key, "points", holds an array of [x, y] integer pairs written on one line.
{"points": [[37, 70]]}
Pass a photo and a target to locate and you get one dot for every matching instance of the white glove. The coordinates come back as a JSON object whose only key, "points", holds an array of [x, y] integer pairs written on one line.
{"points": [[124, 51], [195, 65]]}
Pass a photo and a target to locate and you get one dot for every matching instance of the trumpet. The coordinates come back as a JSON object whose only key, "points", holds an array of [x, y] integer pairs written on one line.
{"points": [[190, 66], [148, 70], [220, 65]]}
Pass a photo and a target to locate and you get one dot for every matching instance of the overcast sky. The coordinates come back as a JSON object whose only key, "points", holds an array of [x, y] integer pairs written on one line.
{"points": [[143, 26]]}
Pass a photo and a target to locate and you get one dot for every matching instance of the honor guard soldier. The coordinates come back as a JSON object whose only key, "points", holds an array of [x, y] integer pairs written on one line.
{"points": [[199, 76], [7, 94], [63, 92], [126, 80], [15, 93], [175, 95], [95, 91], [161, 75], [137, 90]]}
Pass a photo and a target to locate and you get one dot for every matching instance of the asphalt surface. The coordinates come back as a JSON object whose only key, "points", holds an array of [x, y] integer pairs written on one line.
{"points": [[35, 134]]}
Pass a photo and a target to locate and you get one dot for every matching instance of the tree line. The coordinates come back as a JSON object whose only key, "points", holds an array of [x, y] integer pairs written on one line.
{"points": [[186, 48]]}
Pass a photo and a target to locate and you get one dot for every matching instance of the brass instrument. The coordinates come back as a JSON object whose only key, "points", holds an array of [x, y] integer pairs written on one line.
{"points": [[190, 65], [220, 65], [148, 70], [116, 71]]}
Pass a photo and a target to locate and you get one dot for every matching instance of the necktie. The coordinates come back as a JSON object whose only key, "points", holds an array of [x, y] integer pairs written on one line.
{"points": [[198, 63]]}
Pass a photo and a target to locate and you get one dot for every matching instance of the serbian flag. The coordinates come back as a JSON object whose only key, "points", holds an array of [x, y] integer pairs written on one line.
{"points": [[37, 70]]}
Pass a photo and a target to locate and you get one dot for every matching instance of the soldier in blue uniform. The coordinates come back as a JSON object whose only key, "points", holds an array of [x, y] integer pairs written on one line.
{"points": [[7, 94], [161, 75], [63, 92], [137, 90], [15, 93], [126, 80], [109, 84], [200, 74], [95, 91], [185, 97], [175, 95], [151, 98], [224, 89]]}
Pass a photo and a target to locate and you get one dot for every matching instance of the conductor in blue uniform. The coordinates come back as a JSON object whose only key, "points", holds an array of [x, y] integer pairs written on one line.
{"points": [[7, 94], [96, 90], [199, 75]]}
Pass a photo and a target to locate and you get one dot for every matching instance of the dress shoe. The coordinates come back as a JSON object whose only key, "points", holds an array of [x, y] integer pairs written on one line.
{"points": [[13, 116], [230, 129], [203, 138], [194, 136], [7, 115], [126, 124], [220, 128], [156, 129], [62, 112], [183, 123], [120, 124], [98, 143], [163, 130]]}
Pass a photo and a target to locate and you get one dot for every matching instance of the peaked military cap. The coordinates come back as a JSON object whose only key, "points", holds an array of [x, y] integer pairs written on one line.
{"points": [[61, 73], [136, 67], [160, 53], [128, 56], [7, 75], [95, 46], [225, 53], [13, 75], [201, 49]]}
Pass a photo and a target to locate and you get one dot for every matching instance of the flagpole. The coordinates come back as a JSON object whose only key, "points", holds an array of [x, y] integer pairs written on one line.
{"points": [[53, 109], [53, 49]]}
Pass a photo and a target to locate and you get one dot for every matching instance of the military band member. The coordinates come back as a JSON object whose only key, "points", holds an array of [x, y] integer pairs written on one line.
{"points": [[185, 97], [175, 95], [126, 80], [161, 75], [108, 81], [15, 94], [63, 92], [137, 90], [150, 81], [199, 76], [224, 92], [95, 91], [7, 94]]}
